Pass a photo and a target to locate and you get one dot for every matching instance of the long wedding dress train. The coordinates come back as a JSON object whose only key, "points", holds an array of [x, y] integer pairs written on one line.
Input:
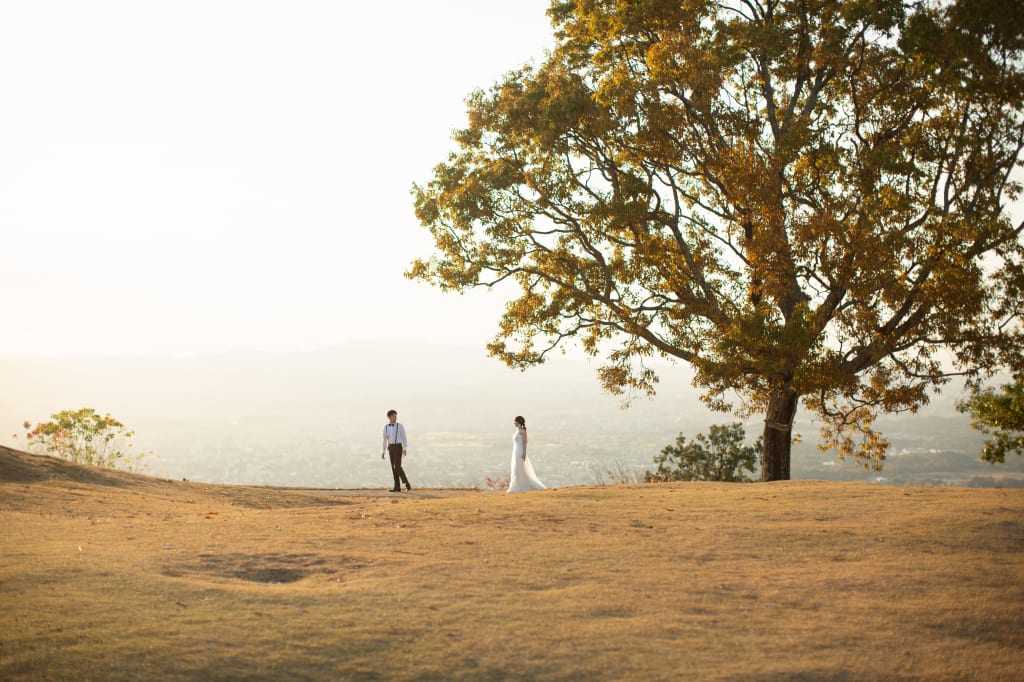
{"points": [[523, 477]]}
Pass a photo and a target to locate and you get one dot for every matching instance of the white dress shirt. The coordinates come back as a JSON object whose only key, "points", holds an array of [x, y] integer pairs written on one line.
{"points": [[394, 433]]}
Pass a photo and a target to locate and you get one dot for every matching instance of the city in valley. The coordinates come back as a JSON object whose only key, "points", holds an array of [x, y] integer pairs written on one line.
{"points": [[314, 419]]}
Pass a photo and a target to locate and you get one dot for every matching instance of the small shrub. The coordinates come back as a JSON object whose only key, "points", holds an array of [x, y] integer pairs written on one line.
{"points": [[998, 413], [719, 456], [496, 483], [618, 472], [85, 437]]}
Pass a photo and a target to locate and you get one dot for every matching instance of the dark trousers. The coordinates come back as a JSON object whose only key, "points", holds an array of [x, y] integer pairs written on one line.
{"points": [[395, 453]]}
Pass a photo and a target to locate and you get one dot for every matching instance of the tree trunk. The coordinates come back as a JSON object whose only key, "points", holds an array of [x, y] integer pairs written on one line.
{"points": [[778, 436]]}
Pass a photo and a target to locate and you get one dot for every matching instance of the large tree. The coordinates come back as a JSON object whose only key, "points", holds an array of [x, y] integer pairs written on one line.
{"points": [[805, 200]]}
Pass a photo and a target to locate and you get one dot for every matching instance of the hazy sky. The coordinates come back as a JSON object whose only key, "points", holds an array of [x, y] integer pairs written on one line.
{"points": [[182, 177]]}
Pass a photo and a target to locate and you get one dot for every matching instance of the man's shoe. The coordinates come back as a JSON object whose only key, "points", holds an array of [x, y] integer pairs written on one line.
{"points": [[408, 487], [395, 490]]}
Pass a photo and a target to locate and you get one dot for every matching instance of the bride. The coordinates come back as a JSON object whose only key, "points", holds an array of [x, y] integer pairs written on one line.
{"points": [[522, 478]]}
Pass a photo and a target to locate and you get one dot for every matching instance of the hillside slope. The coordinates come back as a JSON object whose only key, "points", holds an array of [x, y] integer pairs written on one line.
{"points": [[113, 576]]}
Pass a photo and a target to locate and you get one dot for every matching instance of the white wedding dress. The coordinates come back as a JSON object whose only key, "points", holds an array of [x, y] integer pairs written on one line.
{"points": [[522, 478]]}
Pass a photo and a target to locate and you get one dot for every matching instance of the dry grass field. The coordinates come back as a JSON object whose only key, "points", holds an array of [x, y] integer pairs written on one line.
{"points": [[111, 576]]}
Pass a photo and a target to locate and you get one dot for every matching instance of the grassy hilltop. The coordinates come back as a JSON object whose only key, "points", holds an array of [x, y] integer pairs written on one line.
{"points": [[107, 575]]}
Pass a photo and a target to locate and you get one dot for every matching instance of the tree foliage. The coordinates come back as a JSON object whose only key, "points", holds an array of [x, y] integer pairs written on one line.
{"points": [[803, 199], [85, 437], [719, 456], [998, 413]]}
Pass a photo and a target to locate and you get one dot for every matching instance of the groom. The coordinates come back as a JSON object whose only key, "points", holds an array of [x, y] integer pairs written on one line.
{"points": [[396, 445]]}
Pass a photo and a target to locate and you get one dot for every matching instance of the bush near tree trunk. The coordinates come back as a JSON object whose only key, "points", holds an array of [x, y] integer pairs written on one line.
{"points": [[719, 456]]}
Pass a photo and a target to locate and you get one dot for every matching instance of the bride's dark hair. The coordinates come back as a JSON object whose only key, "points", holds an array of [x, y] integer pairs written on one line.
{"points": [[520, 421]]}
